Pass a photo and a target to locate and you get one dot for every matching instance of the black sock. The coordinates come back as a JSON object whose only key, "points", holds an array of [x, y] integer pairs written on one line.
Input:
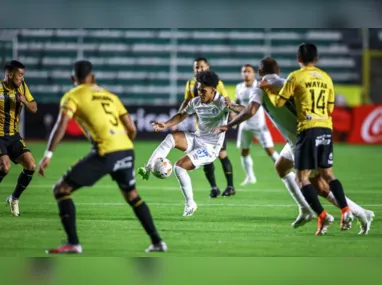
{"points": [[311, 197], [68, 218], [209, 171], [338, 192], [143, 214], [23, 181], [2, 175], [227, 167]]}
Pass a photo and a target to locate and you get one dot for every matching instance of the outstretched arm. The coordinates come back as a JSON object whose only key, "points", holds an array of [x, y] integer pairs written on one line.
{"points": [[176, 119], [245, 114]]}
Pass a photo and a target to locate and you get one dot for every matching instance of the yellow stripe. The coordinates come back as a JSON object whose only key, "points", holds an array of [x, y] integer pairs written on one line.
{"points": [[366, 76], [138, 203], [64, 198]]}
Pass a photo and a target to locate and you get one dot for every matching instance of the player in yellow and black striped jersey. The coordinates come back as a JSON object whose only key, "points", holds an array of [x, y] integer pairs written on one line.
{"points": [[107, 124], [191, 91], [14, 94], [313, 93]]}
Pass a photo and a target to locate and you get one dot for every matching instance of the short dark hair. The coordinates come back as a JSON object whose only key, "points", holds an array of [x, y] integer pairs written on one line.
{"points": [[307, 52], [201, 59], [82, 68], [12, 65], [208, 78], [249, 65], [268, 65]]}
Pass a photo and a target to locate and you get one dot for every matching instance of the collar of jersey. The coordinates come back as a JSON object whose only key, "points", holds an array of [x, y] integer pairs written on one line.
{"points": [[270, 76]]}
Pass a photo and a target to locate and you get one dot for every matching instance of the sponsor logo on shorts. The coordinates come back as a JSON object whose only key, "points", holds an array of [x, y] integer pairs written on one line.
{"points": [[330, 160], [371, 130], [123, 163], [323, 140]]}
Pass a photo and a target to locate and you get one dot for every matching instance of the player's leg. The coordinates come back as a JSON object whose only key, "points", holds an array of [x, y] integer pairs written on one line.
{"points": [[325, 164], [363, 215], [5, 162], [305, 161], [124, 176], [86, 172], [265, 138], [25, 177], [177, 140], [209, 171], [186, 163], [284, 165], [228, 170], [244, 141]]}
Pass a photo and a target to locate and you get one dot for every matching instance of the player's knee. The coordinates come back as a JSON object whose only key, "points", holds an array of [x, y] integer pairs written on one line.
{"points": [[130, 194], [269, 150], [5, 167], [30, 165], [222, 154], [244, 152], [283, 167], [327, 175], [61, 189]]}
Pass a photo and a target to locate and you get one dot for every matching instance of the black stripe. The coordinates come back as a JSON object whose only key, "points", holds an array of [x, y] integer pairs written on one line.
{"points": [[291, 106], [18, 109], [282, 97], [195, 88], [7, 109]]}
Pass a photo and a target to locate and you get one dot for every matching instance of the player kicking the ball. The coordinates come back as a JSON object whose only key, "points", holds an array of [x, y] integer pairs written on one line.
{"points": [[201, 147]]}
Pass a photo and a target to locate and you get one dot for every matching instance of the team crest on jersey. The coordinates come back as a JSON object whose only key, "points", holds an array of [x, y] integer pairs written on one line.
{"points": [[215, 111], [309, 117]]}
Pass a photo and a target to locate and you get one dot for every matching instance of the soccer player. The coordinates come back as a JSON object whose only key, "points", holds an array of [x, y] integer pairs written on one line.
{"points": [[285, 120], [201, 147], [14, 94], [201, 64], [106, 122], [254, 127]]}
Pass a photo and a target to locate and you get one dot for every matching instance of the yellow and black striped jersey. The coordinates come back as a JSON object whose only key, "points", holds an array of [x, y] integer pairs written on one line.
{"points": [[191, 90], [10, 109]]}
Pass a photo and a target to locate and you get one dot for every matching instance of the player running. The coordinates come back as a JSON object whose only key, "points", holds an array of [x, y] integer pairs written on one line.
{"points": [[14, 94], [201, 147], [254, 127], [107, 124], [201, 64], [285, 120]]}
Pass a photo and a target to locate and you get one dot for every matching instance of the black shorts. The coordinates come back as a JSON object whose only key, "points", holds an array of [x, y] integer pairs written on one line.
{"points": [[13, 146], [224, 146], [314, 148], [91, 168]]}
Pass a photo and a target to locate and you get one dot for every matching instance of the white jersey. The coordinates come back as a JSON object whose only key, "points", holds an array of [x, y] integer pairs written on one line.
{"points": [[243, 93], [283, 118], [211, 115]]}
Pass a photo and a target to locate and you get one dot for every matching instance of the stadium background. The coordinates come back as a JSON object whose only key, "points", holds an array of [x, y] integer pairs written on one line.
{"points": [[148, 69]]}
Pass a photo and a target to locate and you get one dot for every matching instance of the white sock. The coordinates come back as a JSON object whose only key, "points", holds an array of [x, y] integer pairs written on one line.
{"points": [[162, 150], [275, 156], [356, 209], [247, 163], [185, 184], [290, 183]]}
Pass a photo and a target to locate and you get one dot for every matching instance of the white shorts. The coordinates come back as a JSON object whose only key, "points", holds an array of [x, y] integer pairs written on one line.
{"points": [[245, 137], [287, 152], [200, 152]]}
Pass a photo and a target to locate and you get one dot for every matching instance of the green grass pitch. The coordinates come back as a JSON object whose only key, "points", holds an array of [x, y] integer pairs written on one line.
{"points": [[255, 222]]}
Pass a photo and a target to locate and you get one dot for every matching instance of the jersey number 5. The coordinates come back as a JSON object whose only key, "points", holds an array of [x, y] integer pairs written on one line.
{"points": [[318, 102], [113, 121]]}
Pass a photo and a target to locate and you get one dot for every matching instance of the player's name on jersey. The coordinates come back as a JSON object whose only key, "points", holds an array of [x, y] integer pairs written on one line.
{"points": [[316, 84]]}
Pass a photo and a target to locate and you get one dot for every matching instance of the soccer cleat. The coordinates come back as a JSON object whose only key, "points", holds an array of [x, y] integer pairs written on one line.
{"points": [[229, 191], [67, 248], [144, 172], [248, 181], [13, 205], [160, 247], [215, 192], [346, 220], [324, 221], [365, 226], [190, 209], [304, 217]]}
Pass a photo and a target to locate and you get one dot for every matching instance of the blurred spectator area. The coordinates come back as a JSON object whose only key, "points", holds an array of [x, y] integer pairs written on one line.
{"points": [[152, 66]]}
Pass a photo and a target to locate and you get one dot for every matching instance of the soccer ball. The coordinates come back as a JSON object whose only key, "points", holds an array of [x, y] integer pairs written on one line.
{"points": [[162, 168]]}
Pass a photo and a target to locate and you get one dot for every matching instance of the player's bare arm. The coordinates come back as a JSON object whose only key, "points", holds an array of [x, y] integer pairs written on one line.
{"points": [[244, 115], [236, 108], [184, 105], [55, 138], [176, 119], [129, 126], [31, 106]]}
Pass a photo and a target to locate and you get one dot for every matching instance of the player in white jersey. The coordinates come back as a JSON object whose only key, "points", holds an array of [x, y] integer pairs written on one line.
{"points": [[254, 127], [201, 147], [285, 120]]}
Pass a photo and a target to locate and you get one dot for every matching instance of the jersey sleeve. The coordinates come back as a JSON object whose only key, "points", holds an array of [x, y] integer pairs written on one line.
{"points": [[256, 95], [187, 91], [189, 108], [120, 107], [221, 89], [287, 90], [27, 93], [68, 105]]}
